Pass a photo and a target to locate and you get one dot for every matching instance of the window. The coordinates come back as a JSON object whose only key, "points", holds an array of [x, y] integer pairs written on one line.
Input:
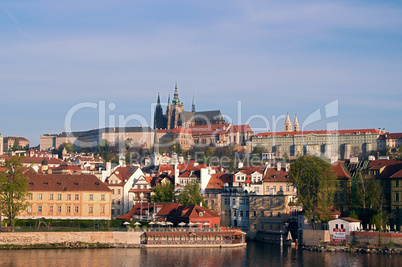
{"points": [[112, 201], [103, 197], [270, 201], [113, 192], [274, 188], [396, 196], [242, 201], [112, 211], [262, 213], [102, 209], [76, 209], [254, 213], [262, 201], [118, 202], [51, 209], [279, 214], [40, 196], [68, 209], [119, 191], [118, 211], [58, 196], [50, 196], [255, 201], [287, 188], [77, 197], [280, 188], [341, 226], [247, 213], [397, 183], [254, 226], [58, 208], [39, 208], [68, 196], [91, 209], [234, 213], [271, 213], [278, 201], [241, 213], [336, 226], [212, 202], [267, 188], [226, 201], [206, 201], [91, 197], [29, 209], [30, 196]]}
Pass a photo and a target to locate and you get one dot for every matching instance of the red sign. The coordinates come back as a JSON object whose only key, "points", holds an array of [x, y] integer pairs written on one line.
{"points": [[338, 234]]}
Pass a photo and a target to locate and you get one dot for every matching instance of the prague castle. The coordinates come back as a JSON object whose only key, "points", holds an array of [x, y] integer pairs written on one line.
{"points": [[175, 115]]}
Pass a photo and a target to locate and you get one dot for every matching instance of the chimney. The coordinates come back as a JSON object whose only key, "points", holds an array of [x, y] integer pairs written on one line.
{"points": [[278, 166], [240, 165]]}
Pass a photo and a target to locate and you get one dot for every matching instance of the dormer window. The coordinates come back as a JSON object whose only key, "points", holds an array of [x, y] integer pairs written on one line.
{"points": [[201, 214]]}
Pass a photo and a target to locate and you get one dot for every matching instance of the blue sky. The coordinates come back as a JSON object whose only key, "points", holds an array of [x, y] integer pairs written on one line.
{"points": [[276, 57]]}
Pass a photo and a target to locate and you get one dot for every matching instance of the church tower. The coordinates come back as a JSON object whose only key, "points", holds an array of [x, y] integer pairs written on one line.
{"points": [[296, 125], [174, 111], [288, 124]]}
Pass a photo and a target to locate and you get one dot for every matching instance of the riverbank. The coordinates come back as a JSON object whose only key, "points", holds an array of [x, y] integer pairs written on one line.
{"points": [[365, 250], [66, 245]]}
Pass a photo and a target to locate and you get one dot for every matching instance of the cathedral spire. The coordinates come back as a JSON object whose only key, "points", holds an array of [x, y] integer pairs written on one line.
{"points": [[176, 100], [193, 106], [169, 100]]}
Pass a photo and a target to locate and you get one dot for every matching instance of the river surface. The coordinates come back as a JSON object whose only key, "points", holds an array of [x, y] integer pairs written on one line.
{"points": [[256, 254]]}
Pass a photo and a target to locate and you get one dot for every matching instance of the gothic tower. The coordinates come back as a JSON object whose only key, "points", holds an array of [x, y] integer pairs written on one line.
{"points": [[288, 124], [296, 125], [174, 111], [158, 116]]}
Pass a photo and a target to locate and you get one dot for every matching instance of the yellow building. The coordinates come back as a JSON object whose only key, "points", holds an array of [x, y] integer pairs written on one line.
{"points": [[64, 196]]}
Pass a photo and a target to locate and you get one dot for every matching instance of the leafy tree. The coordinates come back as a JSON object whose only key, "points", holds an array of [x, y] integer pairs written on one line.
{"points": [[316, 183], [163, 193], [366, 196], [191, 195], [13, 189], [69, 147]]}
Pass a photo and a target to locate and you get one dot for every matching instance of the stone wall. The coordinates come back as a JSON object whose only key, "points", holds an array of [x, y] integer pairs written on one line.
{"points": [[371, 238], [313, 237], [30, 238]]}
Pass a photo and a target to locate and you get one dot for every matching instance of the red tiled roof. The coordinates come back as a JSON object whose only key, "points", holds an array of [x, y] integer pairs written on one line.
{"points": [[168, 208], [209, 129], [66, 167], [250, 169], [193, 211], [215, 182], [398, 174], [273, 175], [65, 182], [38, 160], [391, 136], [241, 128], [341, 173], [341, 132]]}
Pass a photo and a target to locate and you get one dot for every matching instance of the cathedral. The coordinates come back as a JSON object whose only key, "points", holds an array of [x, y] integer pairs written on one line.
{"points": [[175, 115]]}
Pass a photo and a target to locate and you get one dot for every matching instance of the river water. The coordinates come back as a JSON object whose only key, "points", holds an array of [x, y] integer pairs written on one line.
{"points": [[256, 254]]}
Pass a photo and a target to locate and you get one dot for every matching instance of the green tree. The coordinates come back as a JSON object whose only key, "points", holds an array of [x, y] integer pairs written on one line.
{"points": [[13, 189], [191, 195], [69, 147], [16, 146], [163, 193], [316, 183], [366, 196]]}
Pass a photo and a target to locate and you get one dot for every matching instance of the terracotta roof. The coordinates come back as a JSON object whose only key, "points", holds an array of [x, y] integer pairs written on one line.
{"points": [[38, 160], [341, 172], [398, 174], [273, 175], [193, 211], [390, 136], [215, 182], [250, 169], [168, 208], [341, 132], [241, 128], [123, 173], [66, 167], [136, 210], [65, 182]]}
